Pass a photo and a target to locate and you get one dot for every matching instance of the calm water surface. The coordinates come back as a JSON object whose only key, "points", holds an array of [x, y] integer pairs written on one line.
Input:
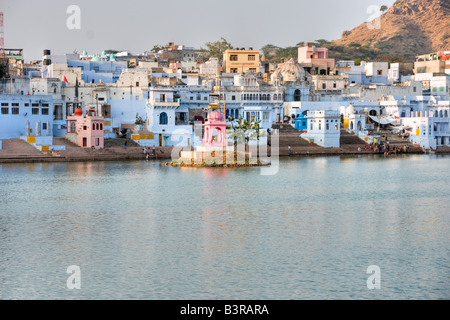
{"points": [[138, 230]]}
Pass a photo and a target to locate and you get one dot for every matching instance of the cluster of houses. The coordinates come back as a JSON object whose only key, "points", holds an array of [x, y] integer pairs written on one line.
{"points": [[156, 98]]}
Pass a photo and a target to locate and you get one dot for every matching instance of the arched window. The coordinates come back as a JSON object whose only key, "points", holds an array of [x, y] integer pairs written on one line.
{"points": [[446, 113], [163, 118], [297, 95], [268, 97], [98, 126], [101, 126], [73, 126], [93, 126], [280, 97], [275, 97], [436, 113], [441, 114]]}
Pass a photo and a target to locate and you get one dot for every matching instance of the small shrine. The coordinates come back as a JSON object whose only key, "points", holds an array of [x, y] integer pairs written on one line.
{"points": [[215, 151]]}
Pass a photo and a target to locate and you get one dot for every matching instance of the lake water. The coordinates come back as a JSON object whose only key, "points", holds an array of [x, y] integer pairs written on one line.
{"points": [[138, 230]]}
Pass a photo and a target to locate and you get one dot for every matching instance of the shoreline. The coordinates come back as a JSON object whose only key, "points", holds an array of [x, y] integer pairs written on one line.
{"points": [[28, 158]]}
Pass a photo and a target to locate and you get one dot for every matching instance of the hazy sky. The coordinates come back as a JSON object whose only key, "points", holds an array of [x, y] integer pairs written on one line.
{"points": [[136, 26]]}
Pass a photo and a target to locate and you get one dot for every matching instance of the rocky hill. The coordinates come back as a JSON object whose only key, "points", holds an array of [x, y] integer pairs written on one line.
{"points": [[407, 28]]}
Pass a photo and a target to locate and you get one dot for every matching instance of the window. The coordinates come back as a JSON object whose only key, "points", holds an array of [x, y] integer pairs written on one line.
{"points": [[328, 126], [84, 127], [163, 118], [45, 105], [233, 57], [44, 126], [26, 104], [137, 83], [233, 98], [35, 104], [252, 69], [205, 98], [336, 127], [5, 104], [101, 126], [380, 72], [44, 111], [5, 110], [15, 104], [251, 57], [233, 70], [334, 85], [297, 95], [324, 86], [34, 111], [15, 111]]}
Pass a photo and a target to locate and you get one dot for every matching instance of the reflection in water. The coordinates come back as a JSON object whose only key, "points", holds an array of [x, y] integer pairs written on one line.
{"points": [[143, 231]]}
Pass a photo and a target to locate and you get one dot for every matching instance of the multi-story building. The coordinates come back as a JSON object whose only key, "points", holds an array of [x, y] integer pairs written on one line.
{"points": [[315, 60], [241, 60], [24, 115]]}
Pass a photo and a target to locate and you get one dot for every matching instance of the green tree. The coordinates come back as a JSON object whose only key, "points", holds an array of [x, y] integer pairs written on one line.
{"points": [[244, 131], [215, 49], [383, 8], [157, 48]]}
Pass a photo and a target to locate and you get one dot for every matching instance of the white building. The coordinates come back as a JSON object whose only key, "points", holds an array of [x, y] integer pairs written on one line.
{"points": [[166, 119], [324, 128], [23, 115], [428, 129]]}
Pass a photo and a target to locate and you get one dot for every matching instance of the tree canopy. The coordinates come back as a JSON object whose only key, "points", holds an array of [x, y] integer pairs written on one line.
{"points": [[215, 49]]}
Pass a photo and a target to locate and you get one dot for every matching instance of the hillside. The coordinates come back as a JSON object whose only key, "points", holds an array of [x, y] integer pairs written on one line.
{"points": [[408, 28]]}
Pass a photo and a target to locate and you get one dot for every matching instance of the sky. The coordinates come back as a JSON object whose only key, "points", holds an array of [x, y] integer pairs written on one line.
{"points": [[136, 26]]}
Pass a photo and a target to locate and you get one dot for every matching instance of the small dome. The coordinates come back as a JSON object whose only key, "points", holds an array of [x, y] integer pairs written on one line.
{"points": [[350, 109], [78, 112], [112, 57], [95, 58], [84, 54], [215, 116]]}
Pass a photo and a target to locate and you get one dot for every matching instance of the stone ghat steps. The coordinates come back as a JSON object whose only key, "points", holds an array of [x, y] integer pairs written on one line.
{"points": [[120, 142], [13, 147], [289, 136]]}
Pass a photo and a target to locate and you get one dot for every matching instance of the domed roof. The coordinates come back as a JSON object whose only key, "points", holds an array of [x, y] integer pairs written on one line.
{"points": [[215, 116], [350, 109], [84, 54], [112, 57], [292, 71], [95, 58], [78, 112]]}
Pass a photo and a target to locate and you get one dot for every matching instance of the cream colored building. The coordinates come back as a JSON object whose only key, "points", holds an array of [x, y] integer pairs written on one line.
{"points": [[240, 61]]}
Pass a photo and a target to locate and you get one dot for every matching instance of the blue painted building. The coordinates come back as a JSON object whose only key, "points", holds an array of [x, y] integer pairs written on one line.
{"points": [[301, 122]]}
